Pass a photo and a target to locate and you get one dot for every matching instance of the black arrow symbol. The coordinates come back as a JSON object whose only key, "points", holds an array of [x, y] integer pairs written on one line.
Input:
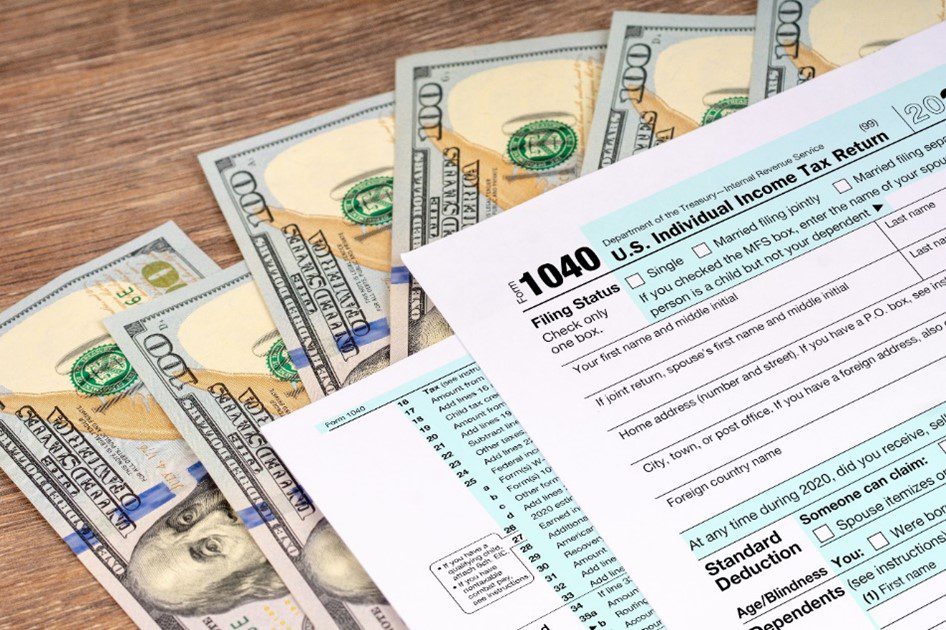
{"points": [[878, 207], [942, 94]]}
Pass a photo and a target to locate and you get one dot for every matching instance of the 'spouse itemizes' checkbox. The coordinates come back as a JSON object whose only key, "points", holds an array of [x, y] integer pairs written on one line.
{"points": [[878, 541], [702, 250], [823, 533], [635, 281], [842, 186]]}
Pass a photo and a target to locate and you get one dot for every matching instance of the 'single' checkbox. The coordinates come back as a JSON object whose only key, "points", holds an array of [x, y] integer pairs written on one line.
{"points": [[878, 541], [823, 533], [842, 186], [635, 281], [702, 250]]}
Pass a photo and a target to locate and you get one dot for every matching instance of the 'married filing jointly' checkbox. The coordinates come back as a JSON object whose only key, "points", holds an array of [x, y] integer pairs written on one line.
{"points": [[702, 250], [823, 533], [635, 281], [878, 541], [842, 186]]}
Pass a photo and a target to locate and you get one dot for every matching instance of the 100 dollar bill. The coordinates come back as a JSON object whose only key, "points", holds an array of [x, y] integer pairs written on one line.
{"points": [[480, 130], [212, 358], [664, 75], [310, 207], [798, 40], [91, 449]]}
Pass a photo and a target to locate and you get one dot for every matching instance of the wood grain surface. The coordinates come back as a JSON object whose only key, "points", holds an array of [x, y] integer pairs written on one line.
{"points": [[104, 107]]}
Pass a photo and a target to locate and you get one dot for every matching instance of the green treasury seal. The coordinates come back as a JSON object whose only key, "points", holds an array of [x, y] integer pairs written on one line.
{"points": [[102, 371], [370, 201], [279, 364], [724, 108], [542, 144]]}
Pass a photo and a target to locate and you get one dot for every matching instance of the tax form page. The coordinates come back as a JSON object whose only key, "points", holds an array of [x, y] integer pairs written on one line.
{"points": [[731, 350], [479, 530]]}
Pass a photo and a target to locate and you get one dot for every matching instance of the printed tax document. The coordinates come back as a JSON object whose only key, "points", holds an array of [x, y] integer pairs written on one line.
{"points": [[731, 350], [479, 531]]}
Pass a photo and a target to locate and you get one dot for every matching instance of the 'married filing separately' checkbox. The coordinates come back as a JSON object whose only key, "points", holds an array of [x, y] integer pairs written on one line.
{"points": [[823, 533], [878, 541], [702, 250], [635, 281], [842, 186]]}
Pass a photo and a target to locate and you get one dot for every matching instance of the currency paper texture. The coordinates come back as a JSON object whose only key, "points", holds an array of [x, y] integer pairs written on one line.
{"points": [[212, 358], [90, 448], [666, 74], [480, 130], [798, 40], [310, 207]]}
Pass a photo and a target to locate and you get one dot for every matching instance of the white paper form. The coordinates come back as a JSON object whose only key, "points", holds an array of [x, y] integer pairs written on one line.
{"points": [[480, 532], [729, 348]]}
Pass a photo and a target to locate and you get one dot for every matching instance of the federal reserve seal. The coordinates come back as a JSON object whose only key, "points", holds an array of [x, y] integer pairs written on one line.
{"points": [[542, 144], [102, 371], [370, 201], [279, 364], [724, 108]]}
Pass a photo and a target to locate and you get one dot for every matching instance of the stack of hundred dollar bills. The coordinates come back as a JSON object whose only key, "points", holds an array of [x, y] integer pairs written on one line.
{"points": [[135, 427]]}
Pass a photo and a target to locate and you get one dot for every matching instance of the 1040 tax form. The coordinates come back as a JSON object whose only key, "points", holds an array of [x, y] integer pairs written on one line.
{"points": [[479, 530], [731, 350]]}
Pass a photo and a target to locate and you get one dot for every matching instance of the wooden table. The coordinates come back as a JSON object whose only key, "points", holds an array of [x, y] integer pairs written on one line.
{"points": [[103, 110]]}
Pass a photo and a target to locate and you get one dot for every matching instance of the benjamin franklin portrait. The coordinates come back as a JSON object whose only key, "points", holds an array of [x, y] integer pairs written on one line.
{"points": [[199, 559]]}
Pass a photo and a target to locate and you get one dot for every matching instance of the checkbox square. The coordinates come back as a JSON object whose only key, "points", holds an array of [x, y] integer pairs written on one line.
{"points": [[702, 250], [842, 186], [942, 445], [635, 281], [878, 541], [823, 533]]}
